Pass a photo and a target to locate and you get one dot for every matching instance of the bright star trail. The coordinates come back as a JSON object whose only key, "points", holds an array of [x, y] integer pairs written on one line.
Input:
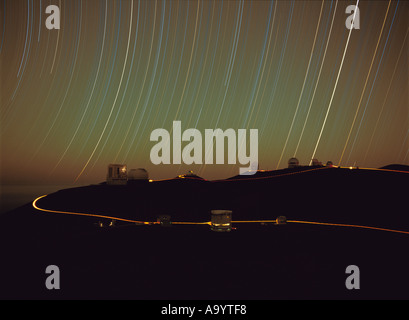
{"points": [[74, 100]]}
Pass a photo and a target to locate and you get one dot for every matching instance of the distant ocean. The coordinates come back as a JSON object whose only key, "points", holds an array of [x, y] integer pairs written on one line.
{"points": [[14, 196]]}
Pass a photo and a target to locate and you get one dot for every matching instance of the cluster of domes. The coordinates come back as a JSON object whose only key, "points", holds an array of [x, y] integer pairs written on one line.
{"points": [[293, 163]]}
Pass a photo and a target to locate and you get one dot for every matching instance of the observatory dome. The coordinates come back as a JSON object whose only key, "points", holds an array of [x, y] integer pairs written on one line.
{"points": [[138, 174], [315, 162], [293, 162]]}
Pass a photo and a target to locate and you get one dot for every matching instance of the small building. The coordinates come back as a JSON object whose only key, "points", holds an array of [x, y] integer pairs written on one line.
{"points": [[117, 174], [221, 220], [330, 164], [293, 163]]}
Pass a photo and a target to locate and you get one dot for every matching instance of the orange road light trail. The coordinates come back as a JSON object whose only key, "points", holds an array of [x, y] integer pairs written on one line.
{"points": [[242, 221]]}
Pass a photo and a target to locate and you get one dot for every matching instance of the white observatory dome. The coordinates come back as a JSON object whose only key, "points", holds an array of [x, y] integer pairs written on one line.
{"points": [[293, 162], [138, 174]]}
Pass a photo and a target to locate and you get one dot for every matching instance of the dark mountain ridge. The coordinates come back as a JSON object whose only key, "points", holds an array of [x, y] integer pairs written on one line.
{"points": [[293, 261]]}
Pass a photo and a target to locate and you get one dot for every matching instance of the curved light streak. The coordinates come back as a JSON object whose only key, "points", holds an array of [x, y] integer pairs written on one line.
{"points": [[116, 95], [92, 90], [65, 95], [346, 225], [39, 22], [386, 95], [34, 204], [302, 88], [280, 64], [125, 89], [80, 213], [4, 26], [245, 68], [180, 62], [235, 42], [169, 68], [25, 43], [56, 45], [366, 82], [25, 57], [318, 80], [143, 85], [373, 83], [190, 61], [149, 92], [335, 87]]}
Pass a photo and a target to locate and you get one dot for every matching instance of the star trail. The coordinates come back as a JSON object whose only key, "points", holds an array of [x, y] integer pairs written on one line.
{"points": [[88, 94]]}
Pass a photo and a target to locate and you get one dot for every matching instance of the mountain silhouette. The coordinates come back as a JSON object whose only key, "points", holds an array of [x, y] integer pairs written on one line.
{"points": [[254, 261], [398, 167]]}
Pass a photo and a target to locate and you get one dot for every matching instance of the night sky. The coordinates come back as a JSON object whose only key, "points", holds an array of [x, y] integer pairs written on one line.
{"points": [[74, 100]]}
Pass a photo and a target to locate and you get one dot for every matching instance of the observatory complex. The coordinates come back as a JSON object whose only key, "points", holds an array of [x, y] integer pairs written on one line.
{"points": [[294, 163], [118, 175]]}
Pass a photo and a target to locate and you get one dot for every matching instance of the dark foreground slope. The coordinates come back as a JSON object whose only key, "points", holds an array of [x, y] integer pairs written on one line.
{"points": [[293, 261]]}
